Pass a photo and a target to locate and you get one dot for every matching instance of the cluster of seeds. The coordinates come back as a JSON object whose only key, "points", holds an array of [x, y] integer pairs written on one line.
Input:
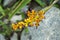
{"points": [[33, 20]]}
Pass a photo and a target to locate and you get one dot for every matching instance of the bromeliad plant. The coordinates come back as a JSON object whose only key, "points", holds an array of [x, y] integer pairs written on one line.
{"points": [[33, 18]]}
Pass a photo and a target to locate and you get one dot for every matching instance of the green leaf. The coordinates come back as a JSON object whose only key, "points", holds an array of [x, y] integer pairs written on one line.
{"points": [[0, 1], [2, 10], [23, 15], [19, 7], [6, 30], [15, 4], [56, 5], [26, 30], [51, 1], [1, 23], [41, 3]]}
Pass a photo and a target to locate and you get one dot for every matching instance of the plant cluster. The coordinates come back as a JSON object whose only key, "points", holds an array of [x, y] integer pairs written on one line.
{"points": [[33, 17]]}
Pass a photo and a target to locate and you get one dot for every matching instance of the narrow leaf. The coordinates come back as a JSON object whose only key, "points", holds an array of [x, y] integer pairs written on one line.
{"points": [[2, 10], [41, 3], [19, 7]]}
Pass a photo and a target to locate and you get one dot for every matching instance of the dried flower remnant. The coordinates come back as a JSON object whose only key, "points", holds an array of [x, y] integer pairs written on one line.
{"points": [[32, 17]]}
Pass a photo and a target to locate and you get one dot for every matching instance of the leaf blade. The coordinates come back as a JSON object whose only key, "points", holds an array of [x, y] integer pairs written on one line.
{"points": [[40, 3], [19, 7]]}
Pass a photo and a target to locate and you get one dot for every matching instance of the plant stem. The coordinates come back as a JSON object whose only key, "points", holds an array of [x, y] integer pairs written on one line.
{"points": [[19, 33], [47, 8]]}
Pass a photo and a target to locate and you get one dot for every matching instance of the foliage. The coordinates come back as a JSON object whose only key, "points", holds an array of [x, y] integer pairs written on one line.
{"points": [[1, 11], [20, 5], [43, 4], [10, 14]]}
